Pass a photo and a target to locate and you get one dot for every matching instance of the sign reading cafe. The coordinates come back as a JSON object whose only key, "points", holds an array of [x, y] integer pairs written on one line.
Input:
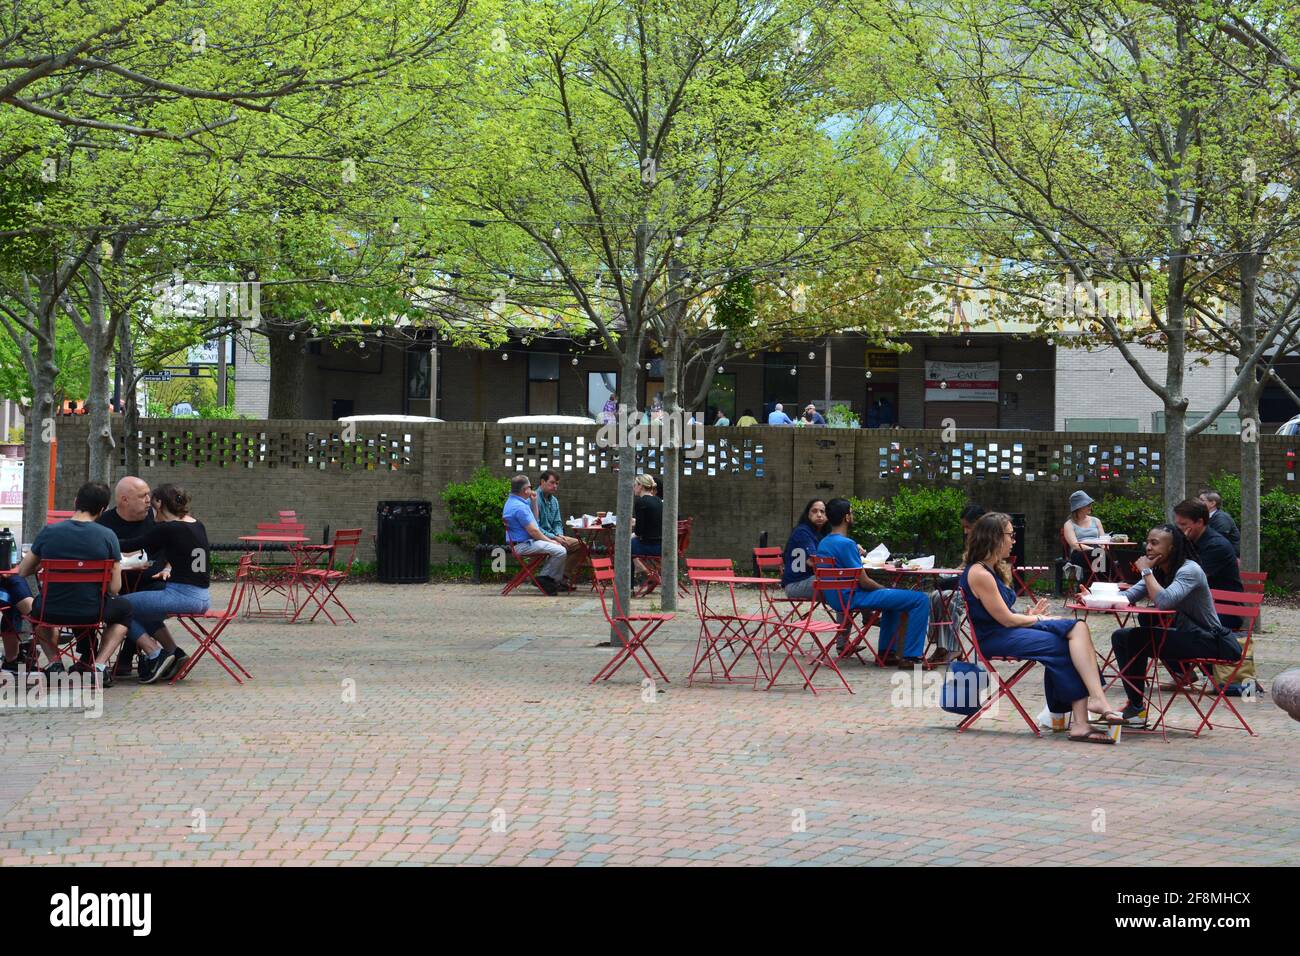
{"points": [[961, 381]]}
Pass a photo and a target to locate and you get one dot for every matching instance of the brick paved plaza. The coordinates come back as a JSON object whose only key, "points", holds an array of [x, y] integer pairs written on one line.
{"points": [[472, 710]]}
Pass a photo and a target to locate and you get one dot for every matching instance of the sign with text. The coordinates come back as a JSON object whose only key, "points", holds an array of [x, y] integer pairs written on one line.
{"points": [[961, 381]]}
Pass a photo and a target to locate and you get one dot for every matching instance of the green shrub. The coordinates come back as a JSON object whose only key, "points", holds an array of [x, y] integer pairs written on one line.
{"points": [[1133, 515], [924, 520], [472, 506]]}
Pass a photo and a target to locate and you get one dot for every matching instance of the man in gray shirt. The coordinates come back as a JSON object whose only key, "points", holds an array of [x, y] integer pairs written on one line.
{"points": [[1172, 582]]}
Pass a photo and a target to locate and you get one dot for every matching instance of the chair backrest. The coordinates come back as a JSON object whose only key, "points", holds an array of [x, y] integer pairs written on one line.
{"points": [[345, 543], [769, 559], [603, 571], [1237, 597], [1253, 581], [241, 584], [841, 582], [684, 536], [280, 527], [74, 571], [709, 566], [54, 517], [1231, 604], [287, 516]]}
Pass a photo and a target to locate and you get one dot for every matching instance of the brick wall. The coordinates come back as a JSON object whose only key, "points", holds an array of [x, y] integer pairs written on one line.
{"points": [[750, 480]]}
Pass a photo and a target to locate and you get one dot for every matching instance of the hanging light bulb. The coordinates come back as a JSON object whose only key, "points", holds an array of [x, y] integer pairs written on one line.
{"points": [[1020, 377], [794, 371], [800, 235], [812, 356], [719, 369], [396, 226], [292, 336], [868, 373], [555, 233], [591, 343], [677, 241], [379, 333], [943, 384], [361, 344], [505, 356], [927, 238], [575, 360]]}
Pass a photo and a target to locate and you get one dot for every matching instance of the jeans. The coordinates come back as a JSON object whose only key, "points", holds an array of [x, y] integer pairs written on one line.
{"points": [[150, 607], [1133, 646], [801, 590], [892, 602], [12, 590]]}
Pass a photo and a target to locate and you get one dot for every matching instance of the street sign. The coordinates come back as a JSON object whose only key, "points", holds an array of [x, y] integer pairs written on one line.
{"points": [[157, 376]]}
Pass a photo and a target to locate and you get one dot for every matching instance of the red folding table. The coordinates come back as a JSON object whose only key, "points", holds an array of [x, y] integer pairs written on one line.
{"points": [[1160, 621], [282, 584]]}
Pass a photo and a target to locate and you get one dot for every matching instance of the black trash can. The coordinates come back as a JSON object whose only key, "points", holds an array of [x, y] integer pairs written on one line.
{"points": [[1018, 549], [402, 541]]}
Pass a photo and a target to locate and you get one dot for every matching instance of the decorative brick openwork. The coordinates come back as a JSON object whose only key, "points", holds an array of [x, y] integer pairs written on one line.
{"points": [[581, 454], [258, 449], [1013, 460]]}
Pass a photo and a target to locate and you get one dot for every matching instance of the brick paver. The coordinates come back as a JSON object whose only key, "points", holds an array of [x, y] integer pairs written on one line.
{"points": [[473, 736]]}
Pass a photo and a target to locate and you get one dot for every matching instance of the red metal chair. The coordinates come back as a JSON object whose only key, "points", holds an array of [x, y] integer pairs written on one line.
{"points": [[54, 517], [207, 628], [528, 566], [634, 629], [728, 626], [771, 563], [841, 582], [1253, 581], [1025, 576], [275, 576], [1242, 604], [324, 582], [1002, 686], [654, 563], [72, 571]]}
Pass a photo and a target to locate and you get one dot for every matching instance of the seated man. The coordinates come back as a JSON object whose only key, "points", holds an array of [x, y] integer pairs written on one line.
{"points": [[901, 609], [778, 416], [132, 518], [546, 508], [527, 538], [71, 604]]}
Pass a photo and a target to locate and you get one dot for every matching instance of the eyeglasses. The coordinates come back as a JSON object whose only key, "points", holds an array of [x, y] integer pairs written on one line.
{"points": [[1008, 534]]}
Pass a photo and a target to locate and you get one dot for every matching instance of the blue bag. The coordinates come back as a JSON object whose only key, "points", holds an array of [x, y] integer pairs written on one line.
{"points": [[963, 688]]}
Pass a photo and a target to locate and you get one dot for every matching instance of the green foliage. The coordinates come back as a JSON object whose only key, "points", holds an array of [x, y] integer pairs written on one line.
{"points": [[915, 521], [841, 416], [735, 306], [1131, 514], [472, 506], [1279, 523]]}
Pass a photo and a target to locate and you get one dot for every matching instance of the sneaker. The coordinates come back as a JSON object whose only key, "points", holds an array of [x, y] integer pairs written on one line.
{"points": [[178, 659], [1134, 716], [152, 671], [105, 677]]}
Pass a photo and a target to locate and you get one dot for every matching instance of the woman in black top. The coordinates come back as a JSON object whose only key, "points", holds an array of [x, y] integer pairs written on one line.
{"points": [[647, 521], [179, 538]]}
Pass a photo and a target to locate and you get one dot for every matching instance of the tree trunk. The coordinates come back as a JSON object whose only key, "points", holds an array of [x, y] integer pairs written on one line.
{"points": [[287, 372], [99, 438], [40, 432], [671, 456], [1175, 467], [130, 413], [628, 380], [1248, 405]]}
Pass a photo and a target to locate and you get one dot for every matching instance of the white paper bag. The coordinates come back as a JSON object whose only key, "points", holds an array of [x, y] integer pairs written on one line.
{"points": [[877, 557], [922, 564]]}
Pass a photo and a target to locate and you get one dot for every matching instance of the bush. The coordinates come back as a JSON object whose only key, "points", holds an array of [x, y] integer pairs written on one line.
{"points": [[1130, 515], [472, 506], [920, 521]]}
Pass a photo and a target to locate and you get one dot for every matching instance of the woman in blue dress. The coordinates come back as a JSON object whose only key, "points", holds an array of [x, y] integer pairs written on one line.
{"points": [[1061, 644]]}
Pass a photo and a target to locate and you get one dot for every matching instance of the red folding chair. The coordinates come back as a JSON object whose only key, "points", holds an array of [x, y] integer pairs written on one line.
{"points": [[728, 626], [634, 629], [771, 563], [323, 583], [72, 571], [275, 576], [654, 563], [1253, 581], [54, 517], [1025, 576], [207, 628], [840, 582], [528, 566], [1242, 604], [1002, 686]]}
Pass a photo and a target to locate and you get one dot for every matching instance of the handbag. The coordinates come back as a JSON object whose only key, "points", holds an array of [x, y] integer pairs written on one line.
{"points": [[963, 688]]}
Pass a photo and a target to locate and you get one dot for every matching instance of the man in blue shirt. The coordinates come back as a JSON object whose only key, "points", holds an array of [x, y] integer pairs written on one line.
{"points": [[527, 538], [900, 608], [778, 416], [811, 416]]}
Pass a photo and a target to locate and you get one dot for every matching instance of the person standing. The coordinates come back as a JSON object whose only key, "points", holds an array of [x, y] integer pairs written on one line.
{"points": [[1221, 521]]}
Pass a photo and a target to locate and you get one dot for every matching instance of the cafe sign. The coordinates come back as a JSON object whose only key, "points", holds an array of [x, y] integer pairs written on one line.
{"points": [[961, 381]]}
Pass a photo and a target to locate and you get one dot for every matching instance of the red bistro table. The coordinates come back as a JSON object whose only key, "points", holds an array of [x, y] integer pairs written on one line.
{"points": [[914, 578], [596, 540], [1160, 621], [280, 581], [749, 630]]}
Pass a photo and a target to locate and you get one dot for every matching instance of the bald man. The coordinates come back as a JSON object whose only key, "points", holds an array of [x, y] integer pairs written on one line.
{"points": [[131, 518]]}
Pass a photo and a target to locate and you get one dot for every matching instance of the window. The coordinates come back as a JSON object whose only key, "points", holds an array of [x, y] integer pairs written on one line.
{"points": [[543, 383], [601, 388], [722, 394], [779, 384]]}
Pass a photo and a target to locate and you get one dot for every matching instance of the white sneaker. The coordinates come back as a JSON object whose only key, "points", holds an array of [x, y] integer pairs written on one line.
{"points": [[1056, 723]]}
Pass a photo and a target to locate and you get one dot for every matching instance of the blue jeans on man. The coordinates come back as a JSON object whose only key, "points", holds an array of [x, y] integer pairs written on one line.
{"points": [[893, 602]]}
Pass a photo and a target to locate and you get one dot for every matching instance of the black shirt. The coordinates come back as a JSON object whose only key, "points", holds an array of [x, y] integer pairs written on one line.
{"points": [[142, 579], [184, 544], [1222, 522], [648, 511], [1214, 554]]}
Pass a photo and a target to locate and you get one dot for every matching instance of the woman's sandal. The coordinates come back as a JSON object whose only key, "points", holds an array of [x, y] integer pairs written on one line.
{"points": [[1111, 718], [1099, 736]]}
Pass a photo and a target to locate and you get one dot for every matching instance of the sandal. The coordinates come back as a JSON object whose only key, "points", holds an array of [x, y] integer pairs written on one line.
{"points": [[1098, 736], [1111, 718]]}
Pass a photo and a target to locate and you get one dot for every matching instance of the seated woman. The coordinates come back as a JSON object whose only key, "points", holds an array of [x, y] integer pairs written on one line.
{"points": [[948, 612], [1172, 581], [1061, 644], [647, 522], [1080, 528], [183, 541], [797, 574]]}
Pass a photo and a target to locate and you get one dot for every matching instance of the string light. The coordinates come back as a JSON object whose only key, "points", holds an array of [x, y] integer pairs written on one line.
{"points": [[1020, 377], [575, 360], [505, 356], [555, 233], [677, 241]]}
